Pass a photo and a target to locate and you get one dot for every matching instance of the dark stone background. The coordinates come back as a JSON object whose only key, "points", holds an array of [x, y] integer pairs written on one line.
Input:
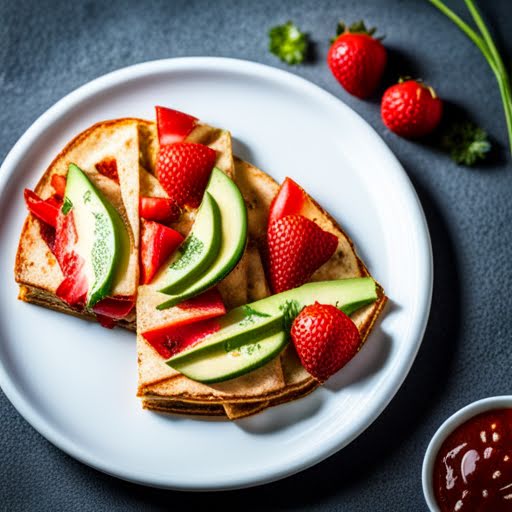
{"points": [[49, 49]]}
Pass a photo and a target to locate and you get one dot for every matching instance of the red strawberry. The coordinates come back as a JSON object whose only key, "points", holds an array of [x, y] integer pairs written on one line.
{"points": [[46, 210], [411, 109], [193, 320], [160, 209], [173, 125], [158, 242], [325, 338], [183, 170], [357, 60], [297, 247], [74, 287], [290, 200]]}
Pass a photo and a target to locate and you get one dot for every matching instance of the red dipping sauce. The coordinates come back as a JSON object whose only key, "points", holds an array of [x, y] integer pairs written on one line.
{"points": [[473, 468]]}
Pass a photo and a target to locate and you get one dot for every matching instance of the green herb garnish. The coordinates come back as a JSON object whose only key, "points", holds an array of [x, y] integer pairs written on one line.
{"points": [[288, 43], [66, 207], [486, 45], [290, 309], [466, 142]]}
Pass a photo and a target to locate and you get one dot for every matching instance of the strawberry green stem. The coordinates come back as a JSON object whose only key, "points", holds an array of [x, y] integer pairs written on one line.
{"points": [[486, 45]]}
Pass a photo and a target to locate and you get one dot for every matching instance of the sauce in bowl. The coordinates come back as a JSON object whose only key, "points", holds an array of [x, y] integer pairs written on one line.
{"points": [[473, 468]]}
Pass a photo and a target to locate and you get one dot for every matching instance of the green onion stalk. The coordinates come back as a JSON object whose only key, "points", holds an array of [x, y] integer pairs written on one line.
{"points": [[486, 45]]}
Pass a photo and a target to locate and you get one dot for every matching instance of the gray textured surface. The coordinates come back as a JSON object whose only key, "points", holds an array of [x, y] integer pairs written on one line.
{"points": [[49, 49]]}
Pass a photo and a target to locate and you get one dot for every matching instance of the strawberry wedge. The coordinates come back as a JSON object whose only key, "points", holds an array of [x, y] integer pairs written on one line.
{"points": [[197, 319], [158, 242], [183, 170], [290, 200], [159, 209], [173, 125], [45, 210]]}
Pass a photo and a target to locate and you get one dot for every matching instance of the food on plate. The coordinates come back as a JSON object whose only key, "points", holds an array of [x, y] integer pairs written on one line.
{"points": [[473, 467], [357, 59], [411, 109], [94, 179], [158, 228]]}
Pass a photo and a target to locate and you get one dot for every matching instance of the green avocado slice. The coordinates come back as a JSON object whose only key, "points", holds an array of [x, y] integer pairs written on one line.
{"points": [[103, 241], [222, 365], [197, 252], [267, 317], [233, 215]]}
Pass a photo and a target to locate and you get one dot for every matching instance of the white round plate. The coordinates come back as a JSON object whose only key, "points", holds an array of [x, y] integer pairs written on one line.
{"points": [[75, 382]]}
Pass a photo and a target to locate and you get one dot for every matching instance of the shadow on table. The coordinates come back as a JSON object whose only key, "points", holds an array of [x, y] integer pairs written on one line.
{"points": [[407, 412]]}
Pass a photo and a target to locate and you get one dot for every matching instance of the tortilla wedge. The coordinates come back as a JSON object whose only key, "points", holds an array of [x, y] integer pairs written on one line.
{"points": [[134, 145], [36, 268], [159, 382], [255, 392]]}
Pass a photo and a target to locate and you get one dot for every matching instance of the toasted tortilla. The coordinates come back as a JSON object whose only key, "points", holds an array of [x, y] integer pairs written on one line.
{"points": [[134, 145], [36, 268], [258, 390], [157, 381]]}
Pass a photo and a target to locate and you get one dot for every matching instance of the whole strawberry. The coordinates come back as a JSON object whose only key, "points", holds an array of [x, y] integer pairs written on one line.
{"points": [[411, 109], [357, 59], [325, 338], [296, 248], [183, 170]]}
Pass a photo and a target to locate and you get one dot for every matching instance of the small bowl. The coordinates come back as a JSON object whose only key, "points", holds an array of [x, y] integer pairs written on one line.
{"points": [[460, 417]]}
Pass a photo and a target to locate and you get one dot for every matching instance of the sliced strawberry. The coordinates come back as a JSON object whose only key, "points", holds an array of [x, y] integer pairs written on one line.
{"points": [[44, 210], [290, 200], [158, 242], [173, 126], [160, 209], [183, 170], [74, 287], [297, 248], [115, 308], [58, 182], [197, 318], [169, 341], [206, 305], [48, 235], [108, 167], [325, 338]]}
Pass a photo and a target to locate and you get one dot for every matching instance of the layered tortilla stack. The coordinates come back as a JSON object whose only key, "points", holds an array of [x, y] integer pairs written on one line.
{"points": [[133, 144]]}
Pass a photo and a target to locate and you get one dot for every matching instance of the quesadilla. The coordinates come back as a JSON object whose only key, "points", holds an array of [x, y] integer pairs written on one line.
{"points": [[108, 154], [124, 161]]}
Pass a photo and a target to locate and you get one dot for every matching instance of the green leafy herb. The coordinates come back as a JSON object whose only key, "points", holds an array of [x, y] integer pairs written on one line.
{"points": [[290, 309], [486, 45], [66, 207], [288, 43], [466, 142], [251, 315], [358, 27]]}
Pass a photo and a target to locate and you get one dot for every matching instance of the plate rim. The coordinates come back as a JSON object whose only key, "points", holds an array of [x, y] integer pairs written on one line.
{"points": [[219, 64]]}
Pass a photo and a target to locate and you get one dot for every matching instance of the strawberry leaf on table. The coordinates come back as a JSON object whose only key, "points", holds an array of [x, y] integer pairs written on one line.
{"points": [[466, 142], [288, 43]]}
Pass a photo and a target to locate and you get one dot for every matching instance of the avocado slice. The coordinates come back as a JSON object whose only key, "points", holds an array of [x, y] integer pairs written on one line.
{"points": [[233, 215], [103, 241], [263, 319], [197, 252], [221, 365]]}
